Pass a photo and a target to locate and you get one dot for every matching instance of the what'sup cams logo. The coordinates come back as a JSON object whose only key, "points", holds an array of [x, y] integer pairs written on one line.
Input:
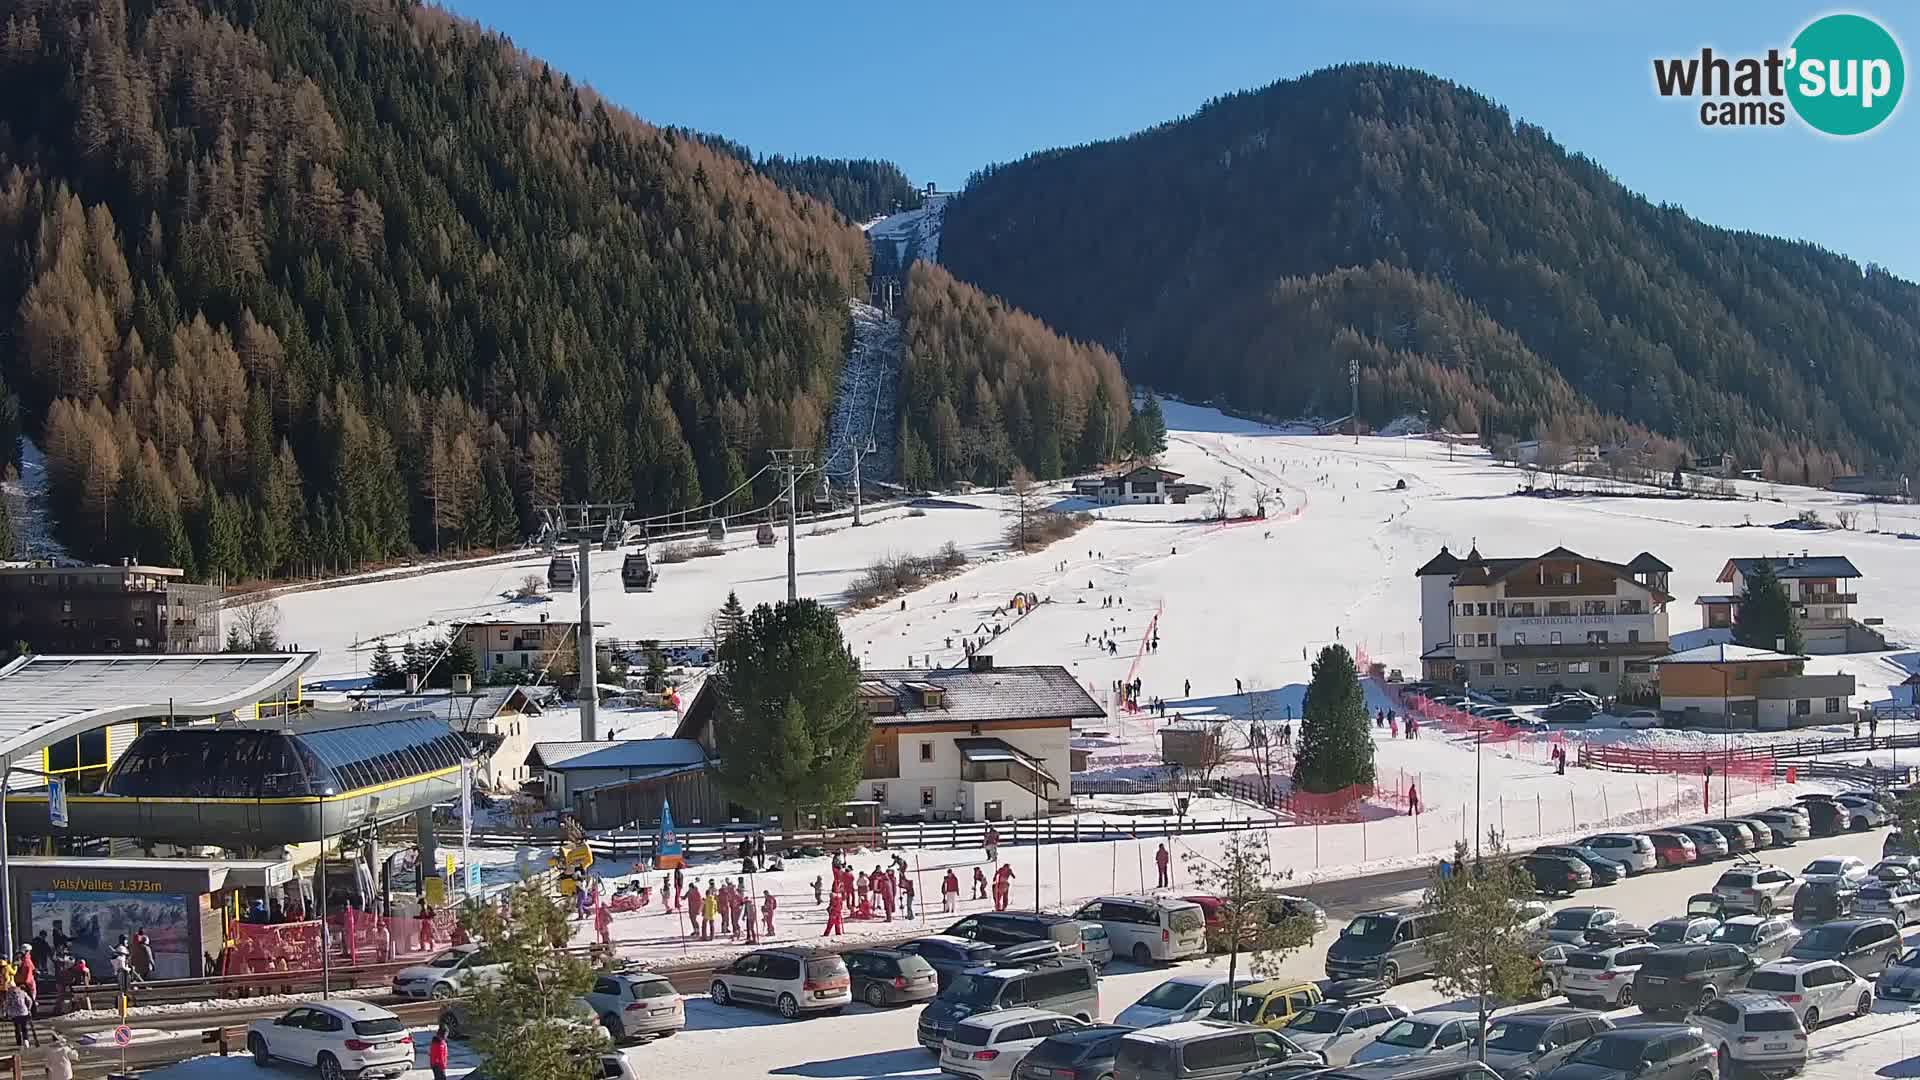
{"points": [[1842, 76]]}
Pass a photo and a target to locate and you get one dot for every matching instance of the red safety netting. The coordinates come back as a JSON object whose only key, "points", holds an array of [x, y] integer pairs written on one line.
{"points": [[259, 948], [1745, 763]]}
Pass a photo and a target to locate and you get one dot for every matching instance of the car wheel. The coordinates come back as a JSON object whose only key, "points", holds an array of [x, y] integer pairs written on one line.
{"points": [[1864, 1006], [1707, 994], [789, 1006], [614, 1026], [442, 991], [1544, 990], [1703, 1074], [1765, 906], [257, 1046], [1812, 1019], [876, 997], [1625, 999], [330, 1069], [1724, 1059], [1389, 973], [718, 992], [1141, 954], [1859, 824], [451, 1021]]}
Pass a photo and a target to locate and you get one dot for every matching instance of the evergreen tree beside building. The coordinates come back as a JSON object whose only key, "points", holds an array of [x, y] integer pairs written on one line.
{"points": [[1766, 614]]}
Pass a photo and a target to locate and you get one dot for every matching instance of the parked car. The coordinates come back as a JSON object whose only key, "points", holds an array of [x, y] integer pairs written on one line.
{"points": [[1078, 1053], [446, 973], [1897, 868], [1640, 718], [1066, 985], [1755, 888], [1708, 844], [1753, 1033], [1683, 930], [1824, 817], [1739, 836], [1863, 813], [1270, 1003], [1762, 832], [1643, 1052], [1533, 914], [1673, 849], [890, 977], [1096, 945], [1865, 945], [1900, 979], [1430, 1032], [1816, 989], [1710, 905], [1550, 967], [1336, 1029], [1762, 937], [1582, 924], [1557, 875], [1603, 978], [1844, 868], [1015, 927], [991, 1045], [1778, 832], [1525, 1045], [1605, 871], [1151, 929], [1820, 901], [1205, 1050], [1183, 997], [638, 1004], [948, 956], [1568, 712], [1790, 826], [461, 1022], [1435, 1067], [340, 1038], [1385, 945], [1278, 906], [1631, 850], [792, 981], [1677, 979]]}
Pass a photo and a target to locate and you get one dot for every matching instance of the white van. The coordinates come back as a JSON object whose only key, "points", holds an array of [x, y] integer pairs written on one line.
{"points": [[1150, 928]]}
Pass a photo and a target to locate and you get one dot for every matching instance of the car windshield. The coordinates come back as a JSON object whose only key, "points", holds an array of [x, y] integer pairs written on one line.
{"points": [[1504, 1035], [1666, 933], [1410, 1033], [1910, 958], [1825, 866], [1734, 881], [975, 990], [379, 1025], [1371, 928], [1771, 1020], [1587, 961], [447, 959], [1827, 938], [652, 988], [826, 969], [1875, 892], [1737, 933], [1573, 920], [1187, 920], [1610, 1053], [1317, 1021], [971, 1035], [1170, 995], [1773, 982]]}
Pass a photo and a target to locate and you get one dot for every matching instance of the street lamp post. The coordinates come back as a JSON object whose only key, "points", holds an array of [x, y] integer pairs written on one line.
{"points": [[1726, 739]]}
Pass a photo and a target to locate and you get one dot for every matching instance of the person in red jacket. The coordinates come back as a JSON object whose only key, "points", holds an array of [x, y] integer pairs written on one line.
{"points": [[834, 907], [1002, 886], [603, 923], [767, 906], [1161, 859], [693, 907], [437, 1054]]}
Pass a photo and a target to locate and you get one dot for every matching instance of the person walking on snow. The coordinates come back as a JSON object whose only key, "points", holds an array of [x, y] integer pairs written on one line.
{"points": [[603, 924], [60, 1058], [679, 887], [693, 909], [1413, 799], [819, 894], [1393, 728], [906, 897], [886, 897], [1187, 689], [437, 1053], [979, 885], [993, 844], [19, 1009], [1002, 886], [1160, 859], [950, 892], [767, 906], [834, 925]]}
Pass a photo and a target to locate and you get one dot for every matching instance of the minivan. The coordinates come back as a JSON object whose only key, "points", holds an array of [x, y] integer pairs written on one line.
{"points": [[1150, 929], [1064, 984], [1016, 927], [1865, 945], [793, 981], [1203, 1050], [1385, 945]]}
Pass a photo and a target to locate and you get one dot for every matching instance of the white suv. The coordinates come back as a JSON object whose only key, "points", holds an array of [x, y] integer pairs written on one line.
{"points": [[991, 1045], [1602, 978], [1755, 888], [1631, 850], [1838, 869], [1753, 1031], [1815, 989], [793, 981], [340, 1038], [637, 1004]]}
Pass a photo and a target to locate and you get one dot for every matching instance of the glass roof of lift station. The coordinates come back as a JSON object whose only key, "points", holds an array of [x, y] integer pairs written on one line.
{"points": [[270, 760]]}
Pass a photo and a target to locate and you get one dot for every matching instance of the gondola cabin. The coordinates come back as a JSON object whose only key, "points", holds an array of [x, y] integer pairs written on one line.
{"points": [[637, 573], [560, 573], [717, 530], [764, 535]]}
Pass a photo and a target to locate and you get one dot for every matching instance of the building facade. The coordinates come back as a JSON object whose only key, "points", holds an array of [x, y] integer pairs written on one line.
{"points": [[523, 646], [1144, 484], [1558, 620], [1737, 686], [127, 608], [1821, 589]]}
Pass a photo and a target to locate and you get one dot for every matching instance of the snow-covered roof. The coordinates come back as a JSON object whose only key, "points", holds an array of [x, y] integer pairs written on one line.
{"points": [[1795, 566], [44, 699], [1041, 692], [627, 754], [1725, 653]]}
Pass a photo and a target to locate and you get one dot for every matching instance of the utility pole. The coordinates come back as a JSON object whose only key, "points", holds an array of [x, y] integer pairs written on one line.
{"points": [[586, 523], [870, 447], [1353, 380], [588, 693], [792, 464]]}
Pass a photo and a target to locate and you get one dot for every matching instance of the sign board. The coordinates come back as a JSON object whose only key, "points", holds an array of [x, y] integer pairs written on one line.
{"points": [[436, 890], [668, 853], [122, 1035], [473, 877], [57, 802]]}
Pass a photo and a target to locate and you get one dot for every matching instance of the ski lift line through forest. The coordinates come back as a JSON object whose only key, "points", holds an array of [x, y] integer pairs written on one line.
{"points": [[711, 508]]}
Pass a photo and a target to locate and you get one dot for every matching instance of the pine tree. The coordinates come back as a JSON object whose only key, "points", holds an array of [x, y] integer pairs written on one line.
{"points": [[458, 659], [524, 1021], [1336, 745], [1766, 614], [656, 667], [1147, 433], [728, 618], [789, 724], [382, 671]]}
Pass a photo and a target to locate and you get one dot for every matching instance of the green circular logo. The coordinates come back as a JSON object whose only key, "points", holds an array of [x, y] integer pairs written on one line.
{"points": [[1847, 74]]}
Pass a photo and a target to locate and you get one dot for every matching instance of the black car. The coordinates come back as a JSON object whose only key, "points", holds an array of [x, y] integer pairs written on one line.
{"points": [[948, 956], [1079, 1054], [1822, 901], [1824, 818], [1556, 875], [1570, 711], [1645, 1052], [1605, 871], [1684, 977], [1018, 927], [891, 976]]}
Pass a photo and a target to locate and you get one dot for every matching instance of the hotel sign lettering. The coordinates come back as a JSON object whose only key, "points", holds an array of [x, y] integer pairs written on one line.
{"points": [[1562, 620], [69, 884]]}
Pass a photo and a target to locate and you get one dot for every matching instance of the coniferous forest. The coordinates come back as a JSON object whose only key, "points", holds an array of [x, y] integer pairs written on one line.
{"points": [[1479, 272]]}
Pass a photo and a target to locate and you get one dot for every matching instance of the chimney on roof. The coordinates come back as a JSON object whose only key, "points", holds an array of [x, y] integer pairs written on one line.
{"points": [[413, 682], [463, 683], [980, 662], [1780, 644]]}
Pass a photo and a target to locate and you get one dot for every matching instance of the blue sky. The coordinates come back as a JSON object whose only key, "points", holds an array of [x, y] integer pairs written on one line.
{"points": [[943, 89]]}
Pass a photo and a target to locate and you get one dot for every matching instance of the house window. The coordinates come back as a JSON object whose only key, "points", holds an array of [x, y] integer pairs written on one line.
{"points": [[139, 620], [1596, 637], [1482, 607], [926, 751], [1553, 638], [1633, 635], [1547, 667], [66, 606], [1486, 669], [1482, 640], [1524, 609], [1595, 607], [1802, 707], [1466, 609], [1637, 667], [1833, 704], [1606, 666], [879, 755], [1630, 607], [1500, 608], [1519, 638], [1559, 607], [926, 797], [1513, 669], [1579, 667], [880, 793], [1466, 641]]}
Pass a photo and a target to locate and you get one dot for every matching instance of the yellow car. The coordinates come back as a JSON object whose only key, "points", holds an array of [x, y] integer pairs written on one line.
{"points": [[1268, 1004]]}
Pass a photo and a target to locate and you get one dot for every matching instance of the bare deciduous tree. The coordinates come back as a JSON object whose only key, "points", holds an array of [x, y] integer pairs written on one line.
{"points": [[1223, 497], [255, 628]]}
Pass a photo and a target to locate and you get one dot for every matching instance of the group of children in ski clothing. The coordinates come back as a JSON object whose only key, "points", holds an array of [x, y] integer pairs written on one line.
{"points": [[726, 906], [1390, 720]]}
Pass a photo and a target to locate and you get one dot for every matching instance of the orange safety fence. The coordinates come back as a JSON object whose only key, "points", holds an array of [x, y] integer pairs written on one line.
{"points": [[261, 948]]}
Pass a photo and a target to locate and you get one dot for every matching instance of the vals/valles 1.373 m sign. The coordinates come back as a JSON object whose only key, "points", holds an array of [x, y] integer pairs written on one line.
{"points": [[1842, 75]]}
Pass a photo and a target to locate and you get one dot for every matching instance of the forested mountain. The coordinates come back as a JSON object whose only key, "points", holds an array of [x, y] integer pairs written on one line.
{"points": [[860, 188], [300, 284], [1478, 271], [985, 387]]}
